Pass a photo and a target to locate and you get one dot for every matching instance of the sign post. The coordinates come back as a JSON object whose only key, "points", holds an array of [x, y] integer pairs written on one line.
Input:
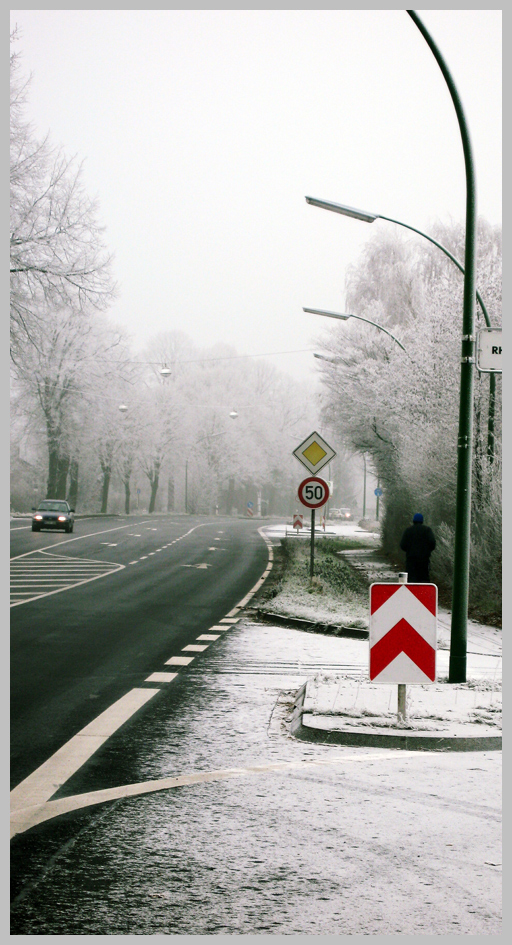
{"points": [[313, 493], [298, 521], [403, 635], [378, 493], [314, 453]]}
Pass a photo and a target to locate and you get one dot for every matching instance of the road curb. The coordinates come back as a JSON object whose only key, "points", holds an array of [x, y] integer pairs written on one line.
{"points": [[301, 623], [305, 730]]}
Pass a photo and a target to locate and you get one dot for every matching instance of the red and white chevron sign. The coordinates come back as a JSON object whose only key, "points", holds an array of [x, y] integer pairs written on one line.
{"points": [[403, 633]]}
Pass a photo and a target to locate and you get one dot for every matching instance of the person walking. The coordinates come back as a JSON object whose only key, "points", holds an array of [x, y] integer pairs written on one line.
{"points": [[418, 542]]}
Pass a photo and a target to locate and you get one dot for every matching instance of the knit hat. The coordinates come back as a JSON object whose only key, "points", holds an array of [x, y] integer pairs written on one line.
{"points": [[418, 517]]}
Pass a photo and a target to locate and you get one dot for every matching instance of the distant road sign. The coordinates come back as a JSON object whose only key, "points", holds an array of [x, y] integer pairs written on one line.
{"points": [[377, 491], [489, 351], [313, 492], [403, 633], [298, 521], [250, 506], [314, 453]]}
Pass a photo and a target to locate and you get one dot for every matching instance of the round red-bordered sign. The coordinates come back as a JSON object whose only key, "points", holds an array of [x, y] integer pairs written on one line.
{"points": [[313, 492]]}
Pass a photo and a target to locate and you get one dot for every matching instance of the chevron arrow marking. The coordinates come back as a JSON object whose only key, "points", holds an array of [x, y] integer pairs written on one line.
{"points": [[402, 638]]}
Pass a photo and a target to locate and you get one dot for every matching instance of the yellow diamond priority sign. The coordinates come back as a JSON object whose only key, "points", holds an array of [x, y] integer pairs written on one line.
{"points": [[314, 453]]}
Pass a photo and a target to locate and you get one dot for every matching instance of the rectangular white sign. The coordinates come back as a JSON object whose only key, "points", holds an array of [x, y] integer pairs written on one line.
{"points": [[488, 350]]}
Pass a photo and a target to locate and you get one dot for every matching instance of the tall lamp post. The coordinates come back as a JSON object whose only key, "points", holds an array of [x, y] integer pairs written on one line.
{"points": [[460, 592]]}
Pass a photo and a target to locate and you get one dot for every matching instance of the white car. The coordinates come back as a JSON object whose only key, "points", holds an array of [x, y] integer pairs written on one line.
{"points": [[344, 514]]}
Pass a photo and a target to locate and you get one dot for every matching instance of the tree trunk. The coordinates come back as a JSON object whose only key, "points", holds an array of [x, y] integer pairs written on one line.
{"points": [[231, 496], [154, 490], [53, 461], [106, 485], [73, 484], [127, 496], [170, 494], [62, 477]]}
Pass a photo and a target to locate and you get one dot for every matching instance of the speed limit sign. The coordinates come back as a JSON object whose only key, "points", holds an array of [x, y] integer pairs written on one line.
{"points": [[313, 492]]}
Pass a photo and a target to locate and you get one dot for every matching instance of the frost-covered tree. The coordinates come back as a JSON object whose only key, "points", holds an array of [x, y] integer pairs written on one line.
{"points": [[402, 408], [57, 256]]}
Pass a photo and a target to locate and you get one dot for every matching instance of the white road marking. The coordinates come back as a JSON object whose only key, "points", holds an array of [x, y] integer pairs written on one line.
{"points": [[209, 636], [31, 577], [194, 648], [179, 660], [30, 800], [219, 626], [43, 783], [161, 677], [68, 541], [230, 620], [29, 816]]}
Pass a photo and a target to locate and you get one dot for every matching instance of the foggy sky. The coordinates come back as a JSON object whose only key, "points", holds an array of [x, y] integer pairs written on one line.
{"points": [[202, 131]]}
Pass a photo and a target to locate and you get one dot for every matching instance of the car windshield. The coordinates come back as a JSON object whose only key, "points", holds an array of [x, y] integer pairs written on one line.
{"points": [[53, 507]]}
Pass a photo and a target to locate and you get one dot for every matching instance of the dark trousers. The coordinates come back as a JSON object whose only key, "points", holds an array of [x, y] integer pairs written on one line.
{"points": [[417, 571]]}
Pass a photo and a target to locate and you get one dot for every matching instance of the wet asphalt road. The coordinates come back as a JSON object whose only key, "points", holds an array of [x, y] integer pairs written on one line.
{"points": [[75, 652], [318, 840]]}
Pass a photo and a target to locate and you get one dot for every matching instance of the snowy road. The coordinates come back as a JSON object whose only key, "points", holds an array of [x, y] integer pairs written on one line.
{"points": [[317, 840]]}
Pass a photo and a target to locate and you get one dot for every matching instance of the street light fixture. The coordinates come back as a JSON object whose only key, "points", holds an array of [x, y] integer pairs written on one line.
{"points": [[460, 591], [123, 408], [368, 217], [321, 311]]}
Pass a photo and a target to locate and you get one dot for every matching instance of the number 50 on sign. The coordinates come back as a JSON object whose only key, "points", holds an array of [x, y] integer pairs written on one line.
{"points": [[313, 492]]}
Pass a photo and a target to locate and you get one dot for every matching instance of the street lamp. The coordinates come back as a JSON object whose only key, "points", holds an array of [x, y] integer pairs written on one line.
{"points": [[321, 311], [369, 217], [460, 592]]}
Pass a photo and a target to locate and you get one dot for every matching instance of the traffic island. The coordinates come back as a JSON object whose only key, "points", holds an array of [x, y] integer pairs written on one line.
{"points": [[441, 717]]}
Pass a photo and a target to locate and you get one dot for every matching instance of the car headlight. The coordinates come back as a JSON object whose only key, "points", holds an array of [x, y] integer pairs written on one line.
{"points": [[38, 517], [62, 518]]}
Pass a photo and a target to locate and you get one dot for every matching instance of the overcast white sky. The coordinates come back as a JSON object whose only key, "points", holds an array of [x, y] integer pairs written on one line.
{"points": [[202, 131]]}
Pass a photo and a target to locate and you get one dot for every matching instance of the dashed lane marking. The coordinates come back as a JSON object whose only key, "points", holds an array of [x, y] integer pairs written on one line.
{"points": [[209, 636], [161, 677], [29, 816], [194, 648], [30, 800]]}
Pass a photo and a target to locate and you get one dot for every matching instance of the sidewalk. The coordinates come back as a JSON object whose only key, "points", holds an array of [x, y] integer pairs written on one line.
{"points": [[441, 716], [465, 717]]}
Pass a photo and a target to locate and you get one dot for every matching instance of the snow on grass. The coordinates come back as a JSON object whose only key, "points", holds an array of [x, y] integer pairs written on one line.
{"points": [[336, 595]]}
